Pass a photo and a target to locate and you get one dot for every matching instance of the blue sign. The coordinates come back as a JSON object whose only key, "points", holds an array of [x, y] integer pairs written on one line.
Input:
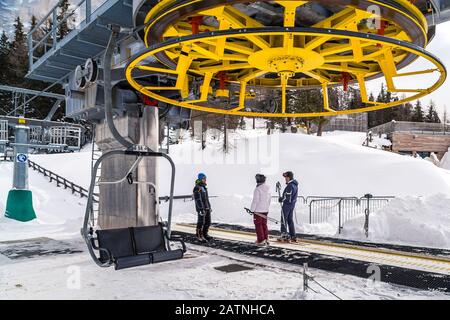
{"points": [[21, 157]]}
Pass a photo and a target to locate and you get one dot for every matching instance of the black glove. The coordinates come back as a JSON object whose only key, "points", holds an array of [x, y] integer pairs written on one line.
{"points": [[280, 199]]}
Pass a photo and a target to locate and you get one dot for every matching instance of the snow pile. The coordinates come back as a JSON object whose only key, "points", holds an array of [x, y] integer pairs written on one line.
{"points": [[357, 138], [445, 161], [322, 165], [334, 165], [407, 220], [74, 166], [433, 159], [59, 213]]}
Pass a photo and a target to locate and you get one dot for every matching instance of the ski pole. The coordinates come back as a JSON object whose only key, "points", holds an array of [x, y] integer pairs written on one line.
{"points": [[261, 215], [278, 189]]}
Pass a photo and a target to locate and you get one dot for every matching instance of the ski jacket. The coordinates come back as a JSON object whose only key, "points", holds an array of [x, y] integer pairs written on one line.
{"points": [[290, 194], [201, 197], [261, 199]]}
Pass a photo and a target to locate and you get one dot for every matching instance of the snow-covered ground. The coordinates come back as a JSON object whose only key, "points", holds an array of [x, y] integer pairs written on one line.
{"points": [[335, 164], [74, 276], [59, 213]]}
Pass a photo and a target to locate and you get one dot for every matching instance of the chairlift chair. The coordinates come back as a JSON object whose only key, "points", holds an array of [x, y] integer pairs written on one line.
{"points": [[132, 246]]}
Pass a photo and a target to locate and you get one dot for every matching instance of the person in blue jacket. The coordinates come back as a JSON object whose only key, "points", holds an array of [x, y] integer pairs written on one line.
{"points": [[203, 207], [288, 201]]}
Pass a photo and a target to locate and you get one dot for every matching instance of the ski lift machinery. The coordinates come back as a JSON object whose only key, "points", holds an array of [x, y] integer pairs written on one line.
{"points": [[132, 246]]}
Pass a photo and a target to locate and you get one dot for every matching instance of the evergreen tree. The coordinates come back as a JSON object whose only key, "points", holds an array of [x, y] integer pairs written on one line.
{"points": [[432, 115], [64, 25], [18, 55], [407, 111], [417, 115], [5, 97], [36, 36], [5, 47]]}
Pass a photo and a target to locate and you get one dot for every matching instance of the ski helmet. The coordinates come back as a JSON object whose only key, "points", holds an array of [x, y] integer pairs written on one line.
{"points": [[260, 178]]}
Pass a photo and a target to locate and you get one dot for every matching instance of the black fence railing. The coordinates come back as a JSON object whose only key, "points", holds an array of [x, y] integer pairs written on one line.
{"points": [[60, 181]]}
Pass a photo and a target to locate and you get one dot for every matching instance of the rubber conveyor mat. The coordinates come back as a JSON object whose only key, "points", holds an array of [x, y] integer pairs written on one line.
{"points": [[396, 267]]}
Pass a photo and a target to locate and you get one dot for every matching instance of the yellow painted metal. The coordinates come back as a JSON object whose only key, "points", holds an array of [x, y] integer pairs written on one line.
{"points": [[326, 102], [223, 93], [374, 59], [280, 59], [236, 19]]}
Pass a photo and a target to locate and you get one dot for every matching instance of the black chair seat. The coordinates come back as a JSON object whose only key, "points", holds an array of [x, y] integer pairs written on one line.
{"points": [[149, 239], [131, 247], [118, 242]]}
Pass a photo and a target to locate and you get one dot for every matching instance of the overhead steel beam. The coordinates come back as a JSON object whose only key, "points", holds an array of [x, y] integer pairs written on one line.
{"points": [[32, 92], [37, 122]]}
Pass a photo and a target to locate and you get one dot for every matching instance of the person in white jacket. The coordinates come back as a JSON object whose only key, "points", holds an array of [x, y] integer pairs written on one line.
{"points": [[260, 208]]}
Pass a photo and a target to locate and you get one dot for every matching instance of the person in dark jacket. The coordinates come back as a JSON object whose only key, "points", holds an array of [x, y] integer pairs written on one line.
{"points": [[203, 207], [288, 200]]}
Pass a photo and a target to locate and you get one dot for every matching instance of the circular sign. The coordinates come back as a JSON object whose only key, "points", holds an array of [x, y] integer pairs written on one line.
{"points": [[21, 157]]}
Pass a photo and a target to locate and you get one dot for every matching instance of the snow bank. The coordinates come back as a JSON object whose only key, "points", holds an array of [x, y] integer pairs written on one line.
{"points": [[323, 166], [357, 138], [408, 220], [334, 165], [59, 213], [75, 166], [445, 161]]}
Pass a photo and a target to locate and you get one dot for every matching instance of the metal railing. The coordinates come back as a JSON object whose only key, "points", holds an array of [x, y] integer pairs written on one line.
{"points": [[47, 41], [60, 181], [344, 208], [76, 189], [4, 130]]}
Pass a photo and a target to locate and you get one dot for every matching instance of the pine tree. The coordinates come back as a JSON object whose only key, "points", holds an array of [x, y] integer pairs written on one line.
{"points": [[36, 36], [5, 46], [417, 115], [64, 26], [407, 111], [429, 113], [18, 55]]}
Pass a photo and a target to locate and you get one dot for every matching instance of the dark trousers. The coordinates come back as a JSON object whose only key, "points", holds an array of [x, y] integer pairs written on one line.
{"points": [[204, 221], [262, 233], [288, 219]]}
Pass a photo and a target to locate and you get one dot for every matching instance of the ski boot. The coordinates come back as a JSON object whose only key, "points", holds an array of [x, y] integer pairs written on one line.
{"points": [[293, 240], [199, 235], [283, 238], [207, 238]]}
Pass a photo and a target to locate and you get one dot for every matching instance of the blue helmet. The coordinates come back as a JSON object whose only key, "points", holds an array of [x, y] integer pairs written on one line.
{"points": [[201, 176]]}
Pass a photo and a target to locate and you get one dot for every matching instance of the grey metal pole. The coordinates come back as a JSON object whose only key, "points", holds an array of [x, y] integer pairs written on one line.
{"points": [[20, 178]]}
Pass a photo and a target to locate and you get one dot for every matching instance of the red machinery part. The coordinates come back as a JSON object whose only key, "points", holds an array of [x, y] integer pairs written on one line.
{"points": [[195, 23]]}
